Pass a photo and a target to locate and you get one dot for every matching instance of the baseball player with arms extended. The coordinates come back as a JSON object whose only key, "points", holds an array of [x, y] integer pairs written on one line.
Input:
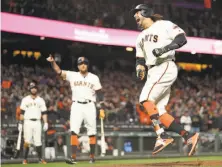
{"points": [[32, 109], [84, 86], [155, 48]]}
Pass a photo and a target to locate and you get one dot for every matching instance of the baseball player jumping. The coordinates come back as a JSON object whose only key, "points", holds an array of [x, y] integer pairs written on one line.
{"points": [[84, 86], [155, 50], [32, 109]]}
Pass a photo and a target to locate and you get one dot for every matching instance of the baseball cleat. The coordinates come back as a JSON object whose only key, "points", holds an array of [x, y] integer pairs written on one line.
{"points": [[92, 160], [161, 144], [24, 162], [71, 161], [42, 161], [192, 143]]}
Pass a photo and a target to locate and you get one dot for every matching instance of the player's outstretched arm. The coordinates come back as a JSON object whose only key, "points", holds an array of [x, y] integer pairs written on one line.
{"points": [[55, 66]]}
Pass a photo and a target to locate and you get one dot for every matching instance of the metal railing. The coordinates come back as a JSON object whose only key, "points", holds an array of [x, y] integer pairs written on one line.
{"points": [[141, 144]]}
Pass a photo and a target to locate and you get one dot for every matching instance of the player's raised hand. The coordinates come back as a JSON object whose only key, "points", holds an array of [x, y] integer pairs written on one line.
{"points": [[50, 58]]}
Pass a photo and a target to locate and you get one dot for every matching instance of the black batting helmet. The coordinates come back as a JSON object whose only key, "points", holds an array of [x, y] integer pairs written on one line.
{"points": [[82, 60], [32, 85], [146, 11]]}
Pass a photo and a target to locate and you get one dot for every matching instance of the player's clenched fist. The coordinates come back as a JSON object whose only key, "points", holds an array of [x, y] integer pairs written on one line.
{"points": [[159, 51], [140, 72], [50, 59]]}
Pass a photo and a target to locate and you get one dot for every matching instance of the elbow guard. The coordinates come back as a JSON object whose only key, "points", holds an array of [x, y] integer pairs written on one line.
{"points": [[140, 61], [180, 40]]}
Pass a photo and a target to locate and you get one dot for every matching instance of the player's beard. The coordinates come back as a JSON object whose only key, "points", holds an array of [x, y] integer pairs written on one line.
{"points": [[34, 93], [139, 27], [84, 71]]}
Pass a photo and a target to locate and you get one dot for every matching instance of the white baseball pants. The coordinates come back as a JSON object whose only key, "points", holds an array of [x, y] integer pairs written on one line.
{"points": [[158, 85], [50, 153], [33, 129], [83, 112]]}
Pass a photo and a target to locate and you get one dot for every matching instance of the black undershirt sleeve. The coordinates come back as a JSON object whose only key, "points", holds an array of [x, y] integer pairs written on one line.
{"points": [[178, 42]]}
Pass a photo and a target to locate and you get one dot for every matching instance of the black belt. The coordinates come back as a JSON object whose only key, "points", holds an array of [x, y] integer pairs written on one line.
{"points": [[151, 66], [33, 119], [83, 102]]}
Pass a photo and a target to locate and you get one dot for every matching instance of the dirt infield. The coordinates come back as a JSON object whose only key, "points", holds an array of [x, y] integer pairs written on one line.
{"points": [[175, 164]]}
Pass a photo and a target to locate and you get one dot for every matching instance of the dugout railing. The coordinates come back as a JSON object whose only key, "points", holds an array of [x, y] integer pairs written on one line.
{"points": [[141, 146]]}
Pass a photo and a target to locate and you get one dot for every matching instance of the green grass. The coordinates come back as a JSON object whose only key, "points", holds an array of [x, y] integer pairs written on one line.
{"points": [[112, 162]]}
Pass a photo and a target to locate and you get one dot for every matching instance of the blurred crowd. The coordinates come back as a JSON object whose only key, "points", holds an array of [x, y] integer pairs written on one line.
{"points": [[196, 101], [198, 97], [115, 14]]}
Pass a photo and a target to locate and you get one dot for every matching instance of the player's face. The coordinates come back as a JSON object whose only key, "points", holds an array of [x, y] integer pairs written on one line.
{"points": [[141, 21], [33, 91], [83, 68]]}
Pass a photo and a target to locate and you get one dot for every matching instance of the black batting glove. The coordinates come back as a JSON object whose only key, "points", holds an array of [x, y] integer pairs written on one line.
{"points": [[159, 51]]}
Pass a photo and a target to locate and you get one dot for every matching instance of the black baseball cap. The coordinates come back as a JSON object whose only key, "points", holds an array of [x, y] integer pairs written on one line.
{"points": [[82, 60], [32, 85]]}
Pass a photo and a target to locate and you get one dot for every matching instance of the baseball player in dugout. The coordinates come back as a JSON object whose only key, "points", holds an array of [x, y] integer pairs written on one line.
{"points": [[33, 107], [85, 86], [155, 51]]}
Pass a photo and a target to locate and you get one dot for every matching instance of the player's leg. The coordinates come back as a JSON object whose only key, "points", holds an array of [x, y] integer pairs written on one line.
{"points": [[163, 139], [168, 121], [76, 119], [160, 78], [27, 138], [92, 143], [52, 153], [37, 136], [90, 123], [65, 150], [47, 153]]}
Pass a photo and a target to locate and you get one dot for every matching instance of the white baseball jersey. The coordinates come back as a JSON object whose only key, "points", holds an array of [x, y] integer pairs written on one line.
{"points": [[187, 121], [33, 107], [83, 87], [158, 35]]}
